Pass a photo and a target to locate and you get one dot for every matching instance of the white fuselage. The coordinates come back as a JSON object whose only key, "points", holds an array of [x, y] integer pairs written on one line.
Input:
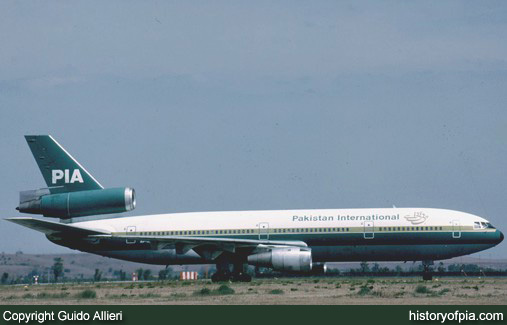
{"points": [[281, 219], [394, 234]]}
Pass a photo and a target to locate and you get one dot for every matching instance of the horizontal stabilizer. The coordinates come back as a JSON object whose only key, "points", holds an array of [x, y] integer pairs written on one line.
{"points": [[50, 228]]}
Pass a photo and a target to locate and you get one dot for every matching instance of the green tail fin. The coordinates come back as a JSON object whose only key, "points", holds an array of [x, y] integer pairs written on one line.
{"points": [[60, 170]]}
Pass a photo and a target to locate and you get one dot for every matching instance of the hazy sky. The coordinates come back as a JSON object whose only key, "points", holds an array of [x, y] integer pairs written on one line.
{"points": [[260, 105]]}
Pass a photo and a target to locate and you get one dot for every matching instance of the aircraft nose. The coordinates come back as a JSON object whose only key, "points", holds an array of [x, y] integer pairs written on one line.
{"points": [[501, 237]]}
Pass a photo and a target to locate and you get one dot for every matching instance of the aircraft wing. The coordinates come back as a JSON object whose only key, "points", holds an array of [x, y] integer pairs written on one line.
{"points": [[209, 247], [51, 228]]}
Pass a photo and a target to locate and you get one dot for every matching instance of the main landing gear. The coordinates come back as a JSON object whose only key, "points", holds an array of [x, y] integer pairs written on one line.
{"points": [[224, 273], [427, 272]]}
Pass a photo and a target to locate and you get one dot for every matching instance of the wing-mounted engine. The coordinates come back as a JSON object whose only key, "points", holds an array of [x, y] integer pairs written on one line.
{"points": [[77, 204], [295, 259]]}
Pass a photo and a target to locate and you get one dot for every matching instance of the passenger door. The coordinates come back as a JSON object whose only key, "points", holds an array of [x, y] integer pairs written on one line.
{"points": [[130, 229], [456, 229], [369, 230], [263, 231]]}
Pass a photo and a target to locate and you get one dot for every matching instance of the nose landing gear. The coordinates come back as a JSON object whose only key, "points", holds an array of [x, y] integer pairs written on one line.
{"points": [[427, 272]]}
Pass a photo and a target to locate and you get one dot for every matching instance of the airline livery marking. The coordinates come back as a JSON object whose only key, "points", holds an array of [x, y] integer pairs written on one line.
{"points": [[57, 174], [417, 218], [346, 217]]}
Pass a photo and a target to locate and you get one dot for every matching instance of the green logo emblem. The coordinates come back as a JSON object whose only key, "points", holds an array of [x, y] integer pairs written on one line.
{"points": [[417, 218]]}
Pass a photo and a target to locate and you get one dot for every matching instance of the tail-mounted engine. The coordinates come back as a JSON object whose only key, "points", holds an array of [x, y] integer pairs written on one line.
{"points": [[284, 259], [77, 204]]}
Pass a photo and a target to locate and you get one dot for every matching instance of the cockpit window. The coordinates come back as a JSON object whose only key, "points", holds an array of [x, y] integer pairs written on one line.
{"points": [[483, 225]]}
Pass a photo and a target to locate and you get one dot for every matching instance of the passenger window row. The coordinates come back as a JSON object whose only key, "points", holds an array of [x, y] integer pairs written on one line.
{"points": [[287, 230], [239, 231], [409, 228]]}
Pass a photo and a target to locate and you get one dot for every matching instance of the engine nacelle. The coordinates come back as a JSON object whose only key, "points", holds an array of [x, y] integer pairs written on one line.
{"points": [[77, 204], [295, 259]]}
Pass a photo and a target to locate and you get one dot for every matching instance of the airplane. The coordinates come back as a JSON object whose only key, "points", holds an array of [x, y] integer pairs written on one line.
{"points": [[284, 240]]}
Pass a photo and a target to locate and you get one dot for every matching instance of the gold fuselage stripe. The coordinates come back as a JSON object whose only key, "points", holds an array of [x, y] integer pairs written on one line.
{"points": [[305, 230]]}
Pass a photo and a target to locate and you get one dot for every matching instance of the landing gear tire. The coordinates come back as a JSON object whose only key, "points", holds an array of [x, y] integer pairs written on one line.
{"points": [[242, 277], [224, 273], [220, 277], [427, 276]]}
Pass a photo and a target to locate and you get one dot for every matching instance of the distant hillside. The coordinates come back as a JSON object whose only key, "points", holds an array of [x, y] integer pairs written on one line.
{"points": [[79, 265], [82, 265], [499, 264]]}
